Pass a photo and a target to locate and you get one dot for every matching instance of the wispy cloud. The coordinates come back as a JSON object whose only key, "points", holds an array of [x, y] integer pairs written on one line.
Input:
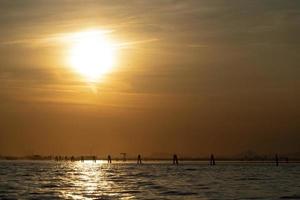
{"points": [[133, 43], [197, 45]]}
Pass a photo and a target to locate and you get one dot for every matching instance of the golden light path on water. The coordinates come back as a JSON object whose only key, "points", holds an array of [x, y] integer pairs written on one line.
{"points": [[88, 177]]}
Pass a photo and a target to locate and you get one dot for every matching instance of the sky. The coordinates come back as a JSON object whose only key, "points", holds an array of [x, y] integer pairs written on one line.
{"points": [[190, 77]]}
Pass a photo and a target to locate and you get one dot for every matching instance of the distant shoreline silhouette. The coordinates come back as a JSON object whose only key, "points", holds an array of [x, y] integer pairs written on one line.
{"points": [[276, 159]]}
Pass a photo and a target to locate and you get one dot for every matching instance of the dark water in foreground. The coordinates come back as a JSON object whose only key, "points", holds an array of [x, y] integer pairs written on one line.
{"points": [[153, 180]]}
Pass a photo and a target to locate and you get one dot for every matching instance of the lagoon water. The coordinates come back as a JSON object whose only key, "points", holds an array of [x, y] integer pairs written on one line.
{"points": [[152, 180]]}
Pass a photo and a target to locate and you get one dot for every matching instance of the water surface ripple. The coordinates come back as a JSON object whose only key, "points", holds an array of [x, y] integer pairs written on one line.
{"points": [[153, 180]]}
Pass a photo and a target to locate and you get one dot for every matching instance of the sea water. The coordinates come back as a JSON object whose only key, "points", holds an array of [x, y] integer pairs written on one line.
{"points": [[151, 180]]}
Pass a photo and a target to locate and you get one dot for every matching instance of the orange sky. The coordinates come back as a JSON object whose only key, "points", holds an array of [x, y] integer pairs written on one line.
{"points": [[191, 77]]}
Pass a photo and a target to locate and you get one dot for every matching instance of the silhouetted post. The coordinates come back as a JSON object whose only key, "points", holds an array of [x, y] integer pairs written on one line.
{"points": [[56, 158], [139, 159], [66, 158], [94, 158], [108, 159], [72, 159], [287, 160], [175, 159], [276, 160], [124, 156], [82, 159], [212, 160]]}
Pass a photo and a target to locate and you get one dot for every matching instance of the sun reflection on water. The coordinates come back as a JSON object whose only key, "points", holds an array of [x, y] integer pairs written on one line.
{"points": [[88, 180]]}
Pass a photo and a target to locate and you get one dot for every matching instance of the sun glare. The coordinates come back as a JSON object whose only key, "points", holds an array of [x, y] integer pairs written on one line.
{"points": [[92, 55]]}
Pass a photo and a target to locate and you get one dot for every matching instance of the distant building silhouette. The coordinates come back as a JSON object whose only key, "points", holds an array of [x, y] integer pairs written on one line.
{"points": [[175, 159], [139, 159]]}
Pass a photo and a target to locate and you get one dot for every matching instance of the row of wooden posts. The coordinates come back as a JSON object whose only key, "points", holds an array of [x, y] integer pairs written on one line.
{"points": [[139, 159], [109, 160]]}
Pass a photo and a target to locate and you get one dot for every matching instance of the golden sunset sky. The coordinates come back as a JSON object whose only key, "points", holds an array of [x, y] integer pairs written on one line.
{"points": [[191, 77]]}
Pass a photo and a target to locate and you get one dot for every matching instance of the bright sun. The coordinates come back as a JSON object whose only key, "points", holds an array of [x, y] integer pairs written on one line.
{"points": [[92, 55]]}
